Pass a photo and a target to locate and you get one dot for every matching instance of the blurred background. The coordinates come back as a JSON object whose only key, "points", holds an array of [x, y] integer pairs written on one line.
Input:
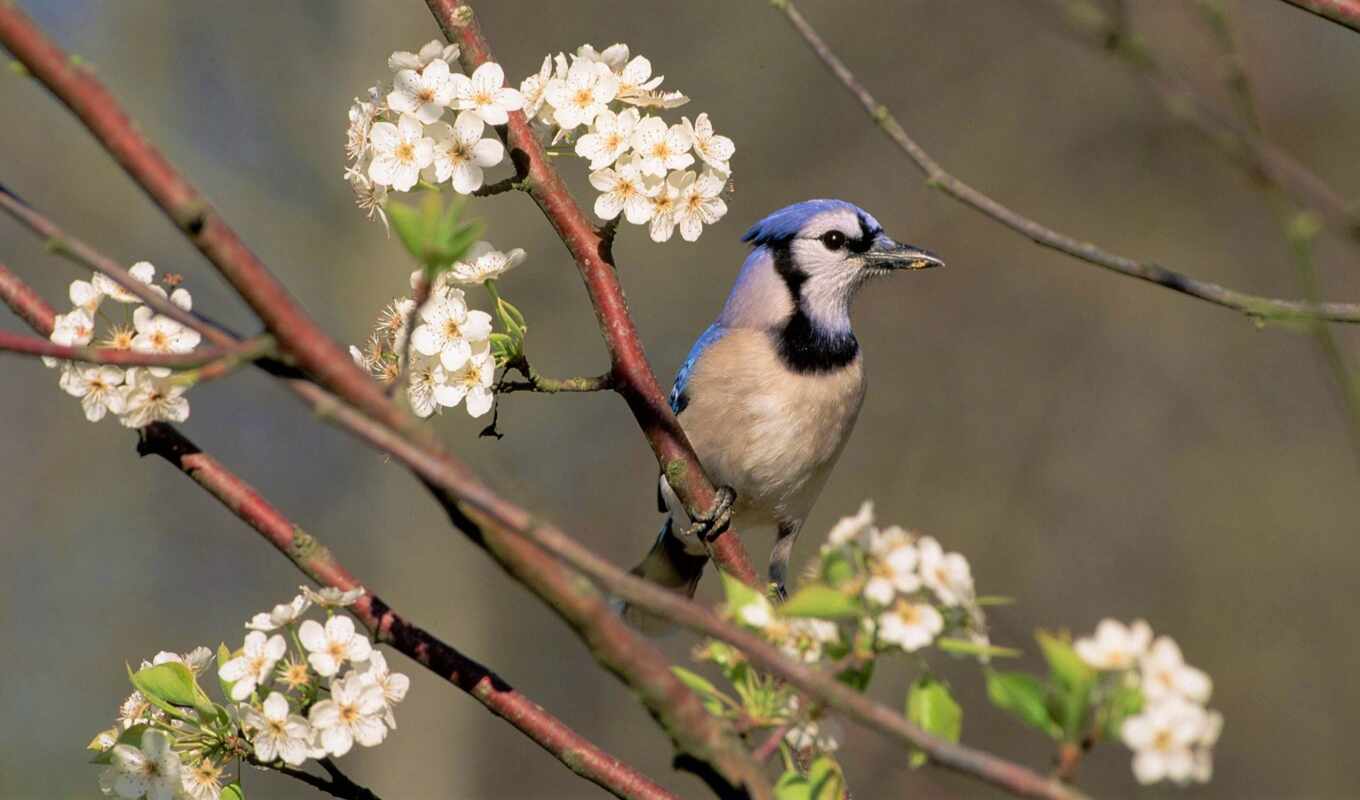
{"points": [[1096, 446]]}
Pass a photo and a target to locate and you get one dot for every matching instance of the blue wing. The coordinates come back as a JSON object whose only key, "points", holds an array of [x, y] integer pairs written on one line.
{"points": [[678, 398]]}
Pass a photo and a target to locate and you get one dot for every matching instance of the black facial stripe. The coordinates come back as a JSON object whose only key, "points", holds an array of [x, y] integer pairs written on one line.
{"points": [[803, 347], [867, 234]]}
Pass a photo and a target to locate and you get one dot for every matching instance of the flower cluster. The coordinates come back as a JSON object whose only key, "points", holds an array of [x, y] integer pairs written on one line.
{"points": [[138, 396], [1173, 734], [641, 165], [399, 135], [289, 702], [450, 344]]}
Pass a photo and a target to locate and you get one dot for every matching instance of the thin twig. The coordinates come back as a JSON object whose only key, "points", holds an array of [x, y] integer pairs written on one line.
{"points": [[243, 352], [1343, 12], [339, 784], [535, 382], [936, 177]]}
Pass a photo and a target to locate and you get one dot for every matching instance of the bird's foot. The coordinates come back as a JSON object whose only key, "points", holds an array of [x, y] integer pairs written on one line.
{"points": [[706, 528]]}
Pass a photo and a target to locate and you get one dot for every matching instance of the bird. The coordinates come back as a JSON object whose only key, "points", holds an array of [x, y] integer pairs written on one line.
{"points": [[770, 392]]}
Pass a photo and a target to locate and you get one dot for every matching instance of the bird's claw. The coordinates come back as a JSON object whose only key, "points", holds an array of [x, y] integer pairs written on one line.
{"points": [[709, 526]]}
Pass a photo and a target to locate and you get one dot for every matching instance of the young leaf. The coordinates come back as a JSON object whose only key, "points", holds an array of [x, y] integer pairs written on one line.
{"points": [[232, 791], [824, 781], [1123, 702], [1073, 681], [1022, 695], [738, 594], [172, 684], [703, 687], [930, 705], [223, 656], [821, 601], [132, 736], [1067, 666], [837, 568], [967, 648]]}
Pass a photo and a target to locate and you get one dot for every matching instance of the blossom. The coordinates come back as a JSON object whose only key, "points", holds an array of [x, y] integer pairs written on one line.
{"points": [[450, 329], [713, 149], [424, 93], [580, 96], [152, 770], [1166, 675], [811, 734], [251, 668], [361, 116], [282, 614], [910, 625], [203, 781], [614, 56], [330, 646], [72, 329], [483, 263], [433, 49], [533, 89], [471, 383], [662, 148], [623, 189], [368, 196], [945, 574], [636, 81], [1203, 753], [196, 660], [756, 613], [295, 674], [610, 137], [665, 202], [97, 386], [425, 377], [350, 715], [699, 203], [394, 685], [157, 333], [848, 529], [400, 152], [85, 296], [460, 153], [152, 398], [142, 271], [805, 639], [1162, 737], [1114, 645], [135, 710], [485, 95], [893, 559], [276, 733]]}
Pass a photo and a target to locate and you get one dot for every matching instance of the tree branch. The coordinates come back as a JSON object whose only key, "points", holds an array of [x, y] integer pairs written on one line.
{"points": [[1343, 12], [936, 177], [339, 784], [237, 354], [632, 373], [535, 382]]}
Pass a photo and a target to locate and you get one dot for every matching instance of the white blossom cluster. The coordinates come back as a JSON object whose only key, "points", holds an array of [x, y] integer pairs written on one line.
{"points": [[1173, 736], [289, 703], [450, 343], [138, 396], [641, 165], [399, 135]]}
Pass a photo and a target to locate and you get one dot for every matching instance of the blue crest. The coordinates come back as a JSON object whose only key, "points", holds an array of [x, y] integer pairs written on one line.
{"points": [[785, 223]]}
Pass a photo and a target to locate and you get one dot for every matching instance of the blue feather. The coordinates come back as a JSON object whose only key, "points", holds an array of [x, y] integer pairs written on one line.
{"points": [[709, 336], [785, 223]]}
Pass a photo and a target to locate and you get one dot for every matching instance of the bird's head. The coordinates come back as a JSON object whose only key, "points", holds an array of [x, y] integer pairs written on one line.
{"points": [[812, 257]]}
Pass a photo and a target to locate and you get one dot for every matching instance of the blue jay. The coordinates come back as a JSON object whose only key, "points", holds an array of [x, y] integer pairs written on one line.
{"points": [[770, 392]]}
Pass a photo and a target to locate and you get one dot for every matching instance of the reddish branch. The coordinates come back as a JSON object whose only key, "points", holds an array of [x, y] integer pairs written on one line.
{"points": [[30, 345], [1342, 12], [632, 373]]}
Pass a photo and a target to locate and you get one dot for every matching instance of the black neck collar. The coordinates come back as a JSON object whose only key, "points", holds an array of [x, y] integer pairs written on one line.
{"points": [[803, 346]]}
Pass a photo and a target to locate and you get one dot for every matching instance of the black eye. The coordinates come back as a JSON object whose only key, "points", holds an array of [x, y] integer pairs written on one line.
{"points": [[834, 240]]}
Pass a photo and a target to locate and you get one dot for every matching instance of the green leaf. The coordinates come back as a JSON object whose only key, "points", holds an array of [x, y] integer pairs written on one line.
{"points": [[738, 594], [994, 600], [1072, 683], [433, 233], [967, 648], [172, 686], [838, 568], [232, 791], [1067, 666], [1024, 696], [821, 601], [132, 736], [223, 656], [824, 781], [713, 699], [930, 705], [1123, 702]]}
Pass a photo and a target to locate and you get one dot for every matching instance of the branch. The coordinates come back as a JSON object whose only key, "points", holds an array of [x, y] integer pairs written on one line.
{"points": [[632, 373], [535, 382], [936, 177], [244, 352], [1343, 12], [339, 784]]}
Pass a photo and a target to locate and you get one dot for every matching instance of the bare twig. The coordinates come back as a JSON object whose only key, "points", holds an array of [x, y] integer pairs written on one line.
{"points": [[1252, 305], [237, 354], [338, 785], [1342, 12], [534, 382]]}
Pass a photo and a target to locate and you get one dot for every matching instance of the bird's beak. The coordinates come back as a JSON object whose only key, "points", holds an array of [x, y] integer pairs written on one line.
{"points": [[889, 254]]}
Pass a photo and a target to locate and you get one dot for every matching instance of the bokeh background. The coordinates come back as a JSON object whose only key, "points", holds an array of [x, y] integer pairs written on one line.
{"points": [[1096, 446]]}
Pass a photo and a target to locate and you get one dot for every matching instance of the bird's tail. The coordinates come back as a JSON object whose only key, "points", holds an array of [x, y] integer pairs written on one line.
{"points": [[668, 564]]}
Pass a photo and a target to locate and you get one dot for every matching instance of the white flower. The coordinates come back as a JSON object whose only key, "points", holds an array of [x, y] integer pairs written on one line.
{"points": [[329, 647], [151, 398], [614, 56], [1166, 675], [85, 296], [1114, 645], [662, 148], [361, 116], [485, 95], [910, 625], [460, 153], [636, 81], [805, 639], [665, 202], [892, 566], [153, 770], [202, 781], [699, 203], [810, 734], [483, 263], [424, 93], [945, 574], [195, 659], [610, 137], [142, 271], [425, 377], [276, 733], [160, 334], [1203, 754], [756, 613], [848, 529], [282, 614], [97, 386], [351, 714], [73, 329], [394, 685], [400, 152], [623, 189], [533, 89], [470, 382], [252, 667], [715, 150], [135, 710], [586, 90], [368, 196], [450, 330], [1161, 738], [433, 49]]}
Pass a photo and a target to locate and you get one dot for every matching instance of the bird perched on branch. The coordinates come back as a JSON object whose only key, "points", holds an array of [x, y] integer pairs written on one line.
{"points": [[770, 392]]}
